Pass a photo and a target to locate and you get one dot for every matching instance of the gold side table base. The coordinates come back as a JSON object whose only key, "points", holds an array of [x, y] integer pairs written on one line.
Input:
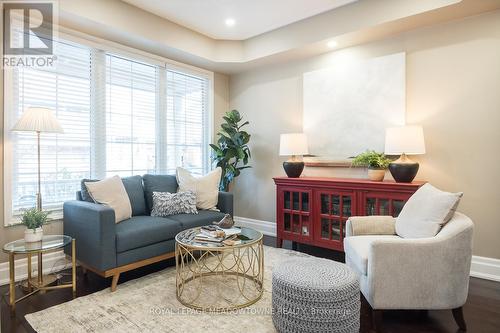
{"points": [[37, 284], [219, 279], [48, 279]]}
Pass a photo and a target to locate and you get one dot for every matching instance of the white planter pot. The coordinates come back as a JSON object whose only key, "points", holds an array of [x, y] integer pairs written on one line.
{"points": [[376, 175], [33, 235]]}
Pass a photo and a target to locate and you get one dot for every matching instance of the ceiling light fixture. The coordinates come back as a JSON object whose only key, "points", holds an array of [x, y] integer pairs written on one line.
{"points": [[332, 44], [230, 22]]}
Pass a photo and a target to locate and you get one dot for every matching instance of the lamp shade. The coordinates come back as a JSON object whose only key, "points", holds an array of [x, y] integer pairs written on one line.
{"points": [[406, 139], [38, 120], [293, 144]]}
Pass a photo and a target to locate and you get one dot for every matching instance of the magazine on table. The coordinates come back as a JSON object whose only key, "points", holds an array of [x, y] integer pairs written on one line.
{"points": [[216, 234]]}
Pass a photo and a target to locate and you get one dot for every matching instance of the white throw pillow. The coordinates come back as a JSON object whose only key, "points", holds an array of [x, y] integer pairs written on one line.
{"points": [[206, 188], [426, 212], [111, 192]]}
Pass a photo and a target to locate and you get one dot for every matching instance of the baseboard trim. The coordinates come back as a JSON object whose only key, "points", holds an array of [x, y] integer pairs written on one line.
{"points": [[481, 267], [266, 227], [485, 268], [52, 262]]}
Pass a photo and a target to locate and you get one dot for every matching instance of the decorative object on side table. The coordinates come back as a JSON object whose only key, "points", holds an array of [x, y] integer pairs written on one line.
{"points": [[226, 222], [405, 140], [38, 120], [34, 219], [231, 149], [293, 144], [377, 163]]}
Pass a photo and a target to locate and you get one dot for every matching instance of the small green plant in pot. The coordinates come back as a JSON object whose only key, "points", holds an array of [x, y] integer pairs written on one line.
{"points": [[376, 163], [34, 219]]}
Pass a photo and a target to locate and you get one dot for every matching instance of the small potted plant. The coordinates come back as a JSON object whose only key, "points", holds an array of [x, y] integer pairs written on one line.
{"points": [[33, 219], [376, 163]]}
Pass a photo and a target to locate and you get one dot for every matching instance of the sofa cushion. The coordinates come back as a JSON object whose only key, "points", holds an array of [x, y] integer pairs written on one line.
{"points": [[133, 186], [112, 193], [146, 252], [166, 204], [204, 217], [157, 183], [357, 250], [425, 213], [206, 187], [140, 231]]}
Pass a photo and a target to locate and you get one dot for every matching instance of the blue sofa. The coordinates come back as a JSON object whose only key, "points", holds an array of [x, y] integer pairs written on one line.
{"points": [[109, 249]]}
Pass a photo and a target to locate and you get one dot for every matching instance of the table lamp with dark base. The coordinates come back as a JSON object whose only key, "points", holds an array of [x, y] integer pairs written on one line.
{"points": [[405, 140], [293, 144], [403, 170], [293, 169]]}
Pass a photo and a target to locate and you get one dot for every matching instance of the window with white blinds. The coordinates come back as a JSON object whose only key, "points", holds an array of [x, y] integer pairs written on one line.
{"points": [[120, 115], [66, 159], [130, 117], [187, 133]]}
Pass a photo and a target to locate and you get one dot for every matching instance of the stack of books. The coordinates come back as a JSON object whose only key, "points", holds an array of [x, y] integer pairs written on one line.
{"points": [[213, 234]]}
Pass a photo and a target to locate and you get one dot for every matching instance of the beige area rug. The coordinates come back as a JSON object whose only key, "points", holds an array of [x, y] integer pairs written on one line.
{"points": [[149, 304]]}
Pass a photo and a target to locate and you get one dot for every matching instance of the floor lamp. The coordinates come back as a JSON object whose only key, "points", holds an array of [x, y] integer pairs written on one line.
{"points": [[39, 120]]}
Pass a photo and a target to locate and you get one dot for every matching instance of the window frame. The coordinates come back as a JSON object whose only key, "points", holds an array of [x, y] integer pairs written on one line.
{"points": [[102, 45]]}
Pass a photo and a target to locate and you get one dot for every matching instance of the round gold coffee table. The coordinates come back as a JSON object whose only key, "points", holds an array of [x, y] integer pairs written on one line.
{"points": [[216, 277]]}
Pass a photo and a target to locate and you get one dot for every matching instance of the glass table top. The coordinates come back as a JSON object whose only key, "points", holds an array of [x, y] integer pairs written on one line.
{"points": [[49, 242], [187, 237]]}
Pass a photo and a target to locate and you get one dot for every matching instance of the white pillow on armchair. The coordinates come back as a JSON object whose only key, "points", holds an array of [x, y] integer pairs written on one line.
{"points": [[206, 188], [426, 212]]}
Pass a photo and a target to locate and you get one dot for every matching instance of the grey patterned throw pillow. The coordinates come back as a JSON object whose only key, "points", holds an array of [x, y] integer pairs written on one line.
{"points": [[166, 203]]}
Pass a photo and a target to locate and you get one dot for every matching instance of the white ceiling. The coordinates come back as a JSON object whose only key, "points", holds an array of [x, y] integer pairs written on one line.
{"points": [[253, 17]]}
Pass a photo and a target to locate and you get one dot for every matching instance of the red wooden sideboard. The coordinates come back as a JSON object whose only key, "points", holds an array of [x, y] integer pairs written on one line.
{"points": [[314, 210]]}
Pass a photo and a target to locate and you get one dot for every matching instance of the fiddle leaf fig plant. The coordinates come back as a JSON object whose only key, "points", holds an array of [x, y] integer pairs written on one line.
{"points": [[372, 160], [231, 152]]}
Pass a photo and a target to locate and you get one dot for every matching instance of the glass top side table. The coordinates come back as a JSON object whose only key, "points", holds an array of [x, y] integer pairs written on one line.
{"points": [[47, 244]]}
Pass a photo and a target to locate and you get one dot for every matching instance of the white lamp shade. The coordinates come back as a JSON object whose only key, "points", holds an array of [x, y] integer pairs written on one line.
{"points": [[38, 120], [293, 144], [406, 139]]}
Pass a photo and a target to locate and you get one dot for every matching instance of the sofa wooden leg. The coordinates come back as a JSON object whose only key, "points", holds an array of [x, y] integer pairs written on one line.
{"points": [[114, 283], [458, 314], [377, 320]]}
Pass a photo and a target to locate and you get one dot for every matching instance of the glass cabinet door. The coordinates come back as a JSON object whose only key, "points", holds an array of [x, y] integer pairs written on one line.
{"points": [[382, 204], [334, 210], [296, 214]]}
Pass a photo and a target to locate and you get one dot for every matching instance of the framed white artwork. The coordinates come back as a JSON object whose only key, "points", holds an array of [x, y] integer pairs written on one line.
{"points": [[348, 106]]}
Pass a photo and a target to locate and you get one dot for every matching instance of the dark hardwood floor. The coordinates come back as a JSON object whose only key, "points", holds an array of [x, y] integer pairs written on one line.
{"points": [[482, 310]]}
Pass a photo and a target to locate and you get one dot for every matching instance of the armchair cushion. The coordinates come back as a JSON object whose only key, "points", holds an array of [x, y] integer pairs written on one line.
{"points": [[372, 225], [357, 249], [425, 213]]}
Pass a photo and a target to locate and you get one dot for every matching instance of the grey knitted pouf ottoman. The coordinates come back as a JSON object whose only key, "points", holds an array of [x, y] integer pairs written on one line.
{"points": [[315, 295]]}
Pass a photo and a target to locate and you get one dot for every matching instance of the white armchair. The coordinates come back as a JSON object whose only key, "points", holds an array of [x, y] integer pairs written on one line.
{"points": [[401, 273]]}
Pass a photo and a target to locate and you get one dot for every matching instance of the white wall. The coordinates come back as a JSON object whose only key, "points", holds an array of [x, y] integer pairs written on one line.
{"points": [[453, 80]]}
